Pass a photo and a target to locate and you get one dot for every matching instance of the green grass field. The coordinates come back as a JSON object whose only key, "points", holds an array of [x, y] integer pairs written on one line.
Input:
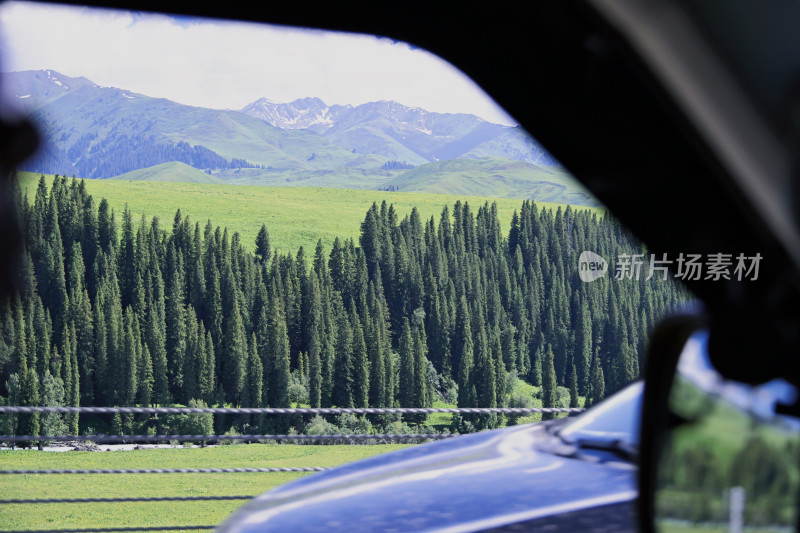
{"points": [[294, 216], [678, 527], [171, 172], [98, 515]]}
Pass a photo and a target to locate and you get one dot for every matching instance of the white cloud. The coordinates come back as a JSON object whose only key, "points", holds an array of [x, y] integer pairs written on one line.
{"points": [[223, 64]]}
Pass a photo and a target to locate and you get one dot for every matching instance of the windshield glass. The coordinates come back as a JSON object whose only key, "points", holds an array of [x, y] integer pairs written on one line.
{"points": [[234, 215]]}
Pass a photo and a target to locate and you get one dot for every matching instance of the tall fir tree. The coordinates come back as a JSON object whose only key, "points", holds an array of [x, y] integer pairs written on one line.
{"points": [[406, 383], [549, 384], [175, 320], [278, 351], [360, 359], [343, 362], [597, 389], [573, 388]]}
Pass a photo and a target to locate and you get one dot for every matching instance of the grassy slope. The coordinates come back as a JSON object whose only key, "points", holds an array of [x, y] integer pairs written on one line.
{"points": [[174, 171], [488, 176], [236, 134], [58, 516], [492, 176], [294, 216], [343, 177]]}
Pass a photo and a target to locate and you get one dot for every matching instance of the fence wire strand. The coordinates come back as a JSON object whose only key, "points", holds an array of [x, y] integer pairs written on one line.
{"points": [[125, 500], [288, 411], [111, 529], [130, 439], [169, 470]]}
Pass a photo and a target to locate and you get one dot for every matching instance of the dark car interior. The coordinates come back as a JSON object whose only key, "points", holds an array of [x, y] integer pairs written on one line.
{"points": [[681, 117]]}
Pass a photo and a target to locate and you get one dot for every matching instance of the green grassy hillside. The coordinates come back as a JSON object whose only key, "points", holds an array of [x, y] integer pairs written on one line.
{"points": [[492, 176], [485, 177], [174, 171], [294, 216], [347, 177]]}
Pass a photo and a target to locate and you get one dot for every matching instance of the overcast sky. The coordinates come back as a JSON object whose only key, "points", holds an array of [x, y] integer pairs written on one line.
{"points": [[226, 65]]}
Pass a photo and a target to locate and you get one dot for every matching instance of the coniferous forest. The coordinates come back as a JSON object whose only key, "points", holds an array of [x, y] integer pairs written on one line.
{"points": [[114, 309]]}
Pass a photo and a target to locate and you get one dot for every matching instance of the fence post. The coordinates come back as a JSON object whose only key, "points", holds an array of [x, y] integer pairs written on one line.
{"points": [[737, 496]]}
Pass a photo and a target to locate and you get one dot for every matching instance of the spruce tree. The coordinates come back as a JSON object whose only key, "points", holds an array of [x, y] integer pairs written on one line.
{"points": [[598, 385], [131, 352], [145, 378], [43, 338], [377, 370], [549, 384], [175, 317], [213, 307], [233, 359], [573, 388], [314, 371], [69, 376], [278, 351], [263, 252], [361, 383], [583, 346], [154, 339], [343, 363], [11, 420], [484, 381], [73, 395], [255, 376], [406, 386], [195, 358], [100, 352], [127, 259], [208, 380], [463, 356], [106, 227], [422, 394]]}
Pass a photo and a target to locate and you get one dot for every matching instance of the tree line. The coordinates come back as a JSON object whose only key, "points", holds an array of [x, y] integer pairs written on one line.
{"points": [[120, 152], [113, 310]]}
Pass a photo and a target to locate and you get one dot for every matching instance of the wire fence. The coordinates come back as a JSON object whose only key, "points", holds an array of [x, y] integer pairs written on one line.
{"points": [[111, 529], [169, 470], [37, 501], [377, 438], [290, 411]]}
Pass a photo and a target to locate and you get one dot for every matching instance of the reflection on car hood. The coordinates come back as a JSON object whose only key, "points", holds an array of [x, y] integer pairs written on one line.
{"points": [[468, 483]]}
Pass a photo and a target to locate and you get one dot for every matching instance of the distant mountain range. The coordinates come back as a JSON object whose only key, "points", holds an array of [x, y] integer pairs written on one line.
{"points": [[401, 133], [103, 132]]}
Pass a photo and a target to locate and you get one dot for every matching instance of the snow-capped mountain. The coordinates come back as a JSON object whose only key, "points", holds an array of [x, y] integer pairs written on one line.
{"points": [[398, 132], [303, 114], [33, 88]]}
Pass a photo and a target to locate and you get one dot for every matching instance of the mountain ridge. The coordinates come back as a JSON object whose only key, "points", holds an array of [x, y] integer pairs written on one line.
{"points": [[394, 130], [104, 132]]}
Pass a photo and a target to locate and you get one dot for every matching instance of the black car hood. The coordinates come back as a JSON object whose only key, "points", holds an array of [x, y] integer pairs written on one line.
{"points": [[475, 482]]}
